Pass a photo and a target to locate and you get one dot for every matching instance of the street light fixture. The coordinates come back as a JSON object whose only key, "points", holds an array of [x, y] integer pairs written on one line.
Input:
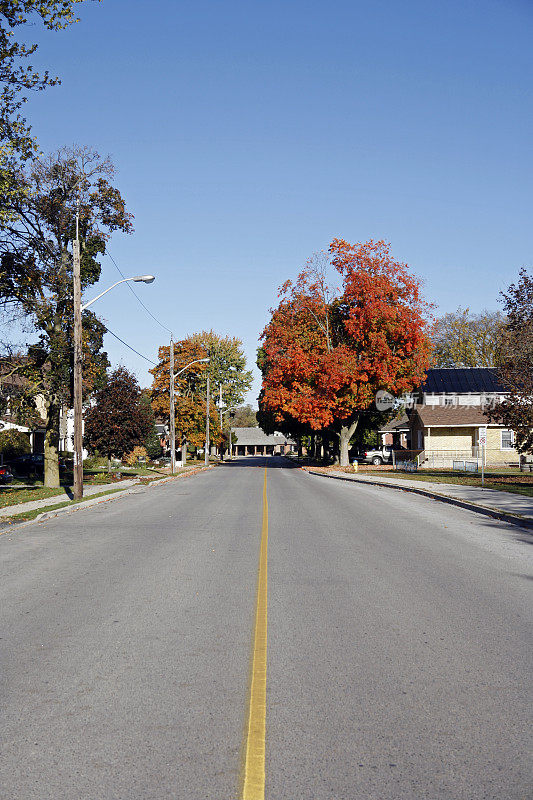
{"points": [[229, 411], [78, 378], [174, 375], [137, 279]]}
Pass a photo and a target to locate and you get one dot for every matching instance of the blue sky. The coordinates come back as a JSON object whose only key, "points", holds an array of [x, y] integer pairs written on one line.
{"points": [[247, 135]]}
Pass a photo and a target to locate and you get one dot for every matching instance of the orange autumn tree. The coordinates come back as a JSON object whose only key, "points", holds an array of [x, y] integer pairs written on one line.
{"points": [[227, 372], [190, 392], [327, 351]]}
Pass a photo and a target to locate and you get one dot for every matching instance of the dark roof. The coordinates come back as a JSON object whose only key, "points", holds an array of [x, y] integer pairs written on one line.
{"points": [[461, 380], [396, 424]]}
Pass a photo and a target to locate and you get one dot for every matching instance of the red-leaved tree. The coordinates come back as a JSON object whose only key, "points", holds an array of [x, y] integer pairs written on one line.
{"points": [[120, 420], [327, 351]]}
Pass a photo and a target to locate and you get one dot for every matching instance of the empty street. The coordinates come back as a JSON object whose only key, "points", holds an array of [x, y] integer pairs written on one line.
{"points": [[392, 633]]}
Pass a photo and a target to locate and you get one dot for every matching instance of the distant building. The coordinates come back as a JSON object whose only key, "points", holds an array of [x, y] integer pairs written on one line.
{"points": [[255, 442]]}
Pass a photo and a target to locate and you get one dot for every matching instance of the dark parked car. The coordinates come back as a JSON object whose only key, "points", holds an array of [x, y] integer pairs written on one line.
{"points": [[5, 475], [31, 464]]}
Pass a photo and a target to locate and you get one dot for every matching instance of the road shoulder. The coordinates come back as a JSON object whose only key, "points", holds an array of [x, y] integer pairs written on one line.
{"points": [[491, 504]]}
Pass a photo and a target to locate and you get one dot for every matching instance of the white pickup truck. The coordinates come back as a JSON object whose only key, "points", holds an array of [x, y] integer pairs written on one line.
{"points": [[381, 455]]}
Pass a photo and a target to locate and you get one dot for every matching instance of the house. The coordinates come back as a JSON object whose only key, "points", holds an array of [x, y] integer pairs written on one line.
{"points": [[11, 384], [450, 411], [254, 442], [444, 434], [396, 432]]}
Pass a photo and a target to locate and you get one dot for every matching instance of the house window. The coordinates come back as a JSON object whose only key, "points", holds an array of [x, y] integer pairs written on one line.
{"points": [[507, 440]]}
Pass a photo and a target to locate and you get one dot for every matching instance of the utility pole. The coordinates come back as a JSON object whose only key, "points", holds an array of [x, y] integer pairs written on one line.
{"points": [[207, 423], [220, 409], [78, 409], [172, 413]]}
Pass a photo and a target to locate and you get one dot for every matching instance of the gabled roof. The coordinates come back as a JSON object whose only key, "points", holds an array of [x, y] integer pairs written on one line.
{"points": [[255, 436], [452, 416], [460, 380], [396, 424]]}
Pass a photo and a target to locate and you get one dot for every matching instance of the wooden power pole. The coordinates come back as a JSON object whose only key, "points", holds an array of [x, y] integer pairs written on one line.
{"points": [[78, 377], [172, 413], [207, 404]]}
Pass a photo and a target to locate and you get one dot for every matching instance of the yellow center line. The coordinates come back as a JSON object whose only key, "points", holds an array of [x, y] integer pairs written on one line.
{"points": [[254, 765]]}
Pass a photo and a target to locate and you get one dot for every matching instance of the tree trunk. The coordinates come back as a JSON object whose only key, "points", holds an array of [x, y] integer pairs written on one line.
{"points": [[51, 445], [108, 464], [183, 452], [346, 433]]}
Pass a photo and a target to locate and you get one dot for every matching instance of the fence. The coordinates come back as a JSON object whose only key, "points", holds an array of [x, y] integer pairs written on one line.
{"points": [[467, 459]]}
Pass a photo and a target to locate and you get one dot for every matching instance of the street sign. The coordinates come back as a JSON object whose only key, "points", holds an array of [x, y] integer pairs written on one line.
{"points": [[482, 437]]}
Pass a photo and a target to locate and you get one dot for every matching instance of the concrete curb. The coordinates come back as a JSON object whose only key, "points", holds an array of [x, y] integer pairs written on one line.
{"points": [[97, 500], [514, 519]]}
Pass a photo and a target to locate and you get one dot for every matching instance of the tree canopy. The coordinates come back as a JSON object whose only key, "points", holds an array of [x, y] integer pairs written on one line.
{"points": [[17, 76], [226, 369], [463, 339], [36, 271], [244, 417], [120, 419], [327, 351], [516, 363]]}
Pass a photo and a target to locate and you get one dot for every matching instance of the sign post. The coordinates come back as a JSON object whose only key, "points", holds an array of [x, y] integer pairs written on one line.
{"points": [[482, 442]]}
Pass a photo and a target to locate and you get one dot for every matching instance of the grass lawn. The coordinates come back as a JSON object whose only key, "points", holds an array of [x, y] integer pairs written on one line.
{"points": [[27, 515], [23, 493], [506, 481], [24, 490]]}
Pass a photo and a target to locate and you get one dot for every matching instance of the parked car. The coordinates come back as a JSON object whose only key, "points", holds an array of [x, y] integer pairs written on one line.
{"points": [[5, 475], [377, 455], [32, 464]]}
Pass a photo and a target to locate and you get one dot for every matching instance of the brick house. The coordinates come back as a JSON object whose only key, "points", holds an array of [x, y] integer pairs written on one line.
{"points": [[449, 411]]}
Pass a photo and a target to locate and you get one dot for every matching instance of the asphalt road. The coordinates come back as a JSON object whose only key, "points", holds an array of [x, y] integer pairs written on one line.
{"points": [[399, 645]]}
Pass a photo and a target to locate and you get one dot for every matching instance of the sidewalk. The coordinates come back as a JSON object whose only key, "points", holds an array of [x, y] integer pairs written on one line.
{"points": [[490, 501], [115, 490], [32, 505]]}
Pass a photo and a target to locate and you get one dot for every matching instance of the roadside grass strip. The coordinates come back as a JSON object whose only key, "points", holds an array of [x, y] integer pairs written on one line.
{"points": [[254, 764], [29, 515]]}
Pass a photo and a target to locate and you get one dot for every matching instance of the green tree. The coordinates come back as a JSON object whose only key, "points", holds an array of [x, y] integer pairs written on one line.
{"points": [[226, 369], [516, 363], [36, 272], [17, 76], [14, 443], [463, 339], [151, 443], [120, 419], [245, 417]]}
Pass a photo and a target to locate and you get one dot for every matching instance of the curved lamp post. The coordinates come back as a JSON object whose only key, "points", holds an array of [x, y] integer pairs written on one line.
{"points": [[137, 279], [78, 413], [174, 375]]}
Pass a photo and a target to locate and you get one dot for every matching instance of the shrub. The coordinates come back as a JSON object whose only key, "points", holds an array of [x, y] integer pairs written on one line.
{"points": [[14, 443], [132, 459]]}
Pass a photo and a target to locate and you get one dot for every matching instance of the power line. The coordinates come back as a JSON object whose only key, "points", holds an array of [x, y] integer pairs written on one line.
{"points": [[130, 287], [130, 347]]}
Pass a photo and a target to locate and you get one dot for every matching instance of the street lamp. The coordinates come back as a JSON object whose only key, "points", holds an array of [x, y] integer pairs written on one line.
{"points": [[174, 375], [137, 279], [229, 411], [78, 378]]}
